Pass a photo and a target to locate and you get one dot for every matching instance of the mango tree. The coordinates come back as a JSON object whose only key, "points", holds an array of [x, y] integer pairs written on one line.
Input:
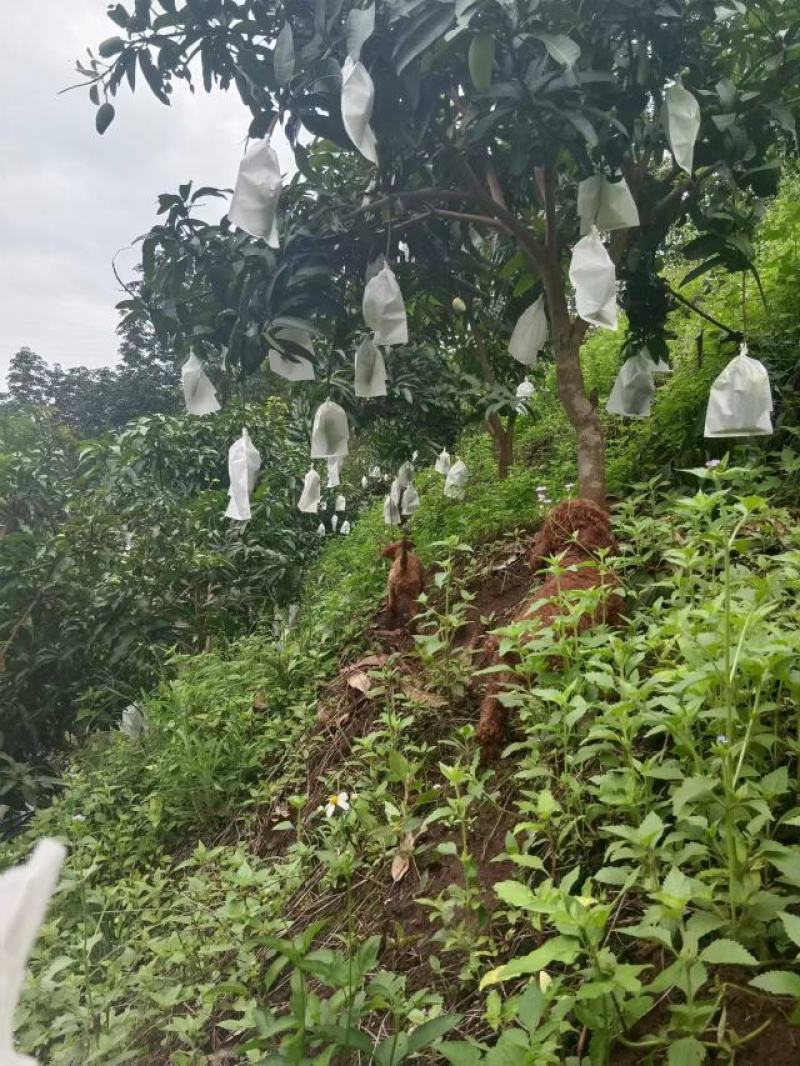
{"points": [[488, 114]]}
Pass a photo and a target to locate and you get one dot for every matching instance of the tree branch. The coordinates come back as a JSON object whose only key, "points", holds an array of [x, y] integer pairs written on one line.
{"points": [[735, 334]]}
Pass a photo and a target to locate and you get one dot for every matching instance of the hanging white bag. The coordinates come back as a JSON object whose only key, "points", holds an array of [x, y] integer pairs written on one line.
{"points": [[396, 492], [292, 367], [133, 724], [530, 334], [358, 98], [309, 497], [680, 117], [740, 401], [391, 512], [456, 481], [370, 370], [594, 278], [404, 475], [258, 188], [384, 309], [25, 892], [525, 390], [365, 482], [244, 463], [321, 531], [334, 470], [340, 504], [345, 528], [198, 392], [606, 204], [411, 501], [330, 432], [334, 522], [375, 472], [633, 389], [442, 464]]}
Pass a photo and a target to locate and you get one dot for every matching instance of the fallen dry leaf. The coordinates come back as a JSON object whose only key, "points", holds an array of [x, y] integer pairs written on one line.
{"points": [[369, 662], [402, 858], [427, 699], [259, 702], [359, 680]]}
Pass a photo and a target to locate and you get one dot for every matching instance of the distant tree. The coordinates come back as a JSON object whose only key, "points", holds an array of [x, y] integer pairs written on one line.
{"points": [[28, 379]]}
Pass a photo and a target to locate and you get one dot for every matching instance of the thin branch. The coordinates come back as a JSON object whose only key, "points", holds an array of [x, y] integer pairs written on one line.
{"points": [[735, 334], [478, 220]]}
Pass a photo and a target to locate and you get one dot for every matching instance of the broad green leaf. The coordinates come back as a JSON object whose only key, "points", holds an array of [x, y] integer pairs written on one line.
{"points": [[557, 949], [791, 923], [560, 47], [283, 56], [460, 1053], [104, 117], [727, 953], [778, 982], [426, 1033], [481, 61], [686, 1052], [392, 1050], [110, 47], [691, 789]]}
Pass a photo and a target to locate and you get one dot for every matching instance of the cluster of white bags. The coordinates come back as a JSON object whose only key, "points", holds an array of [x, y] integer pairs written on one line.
{"points": [[403, 499], [593, 275], [608, 205], [25, 892], [259, 184], [740, 402], [244, 462], [198, 392], [530, 334]]}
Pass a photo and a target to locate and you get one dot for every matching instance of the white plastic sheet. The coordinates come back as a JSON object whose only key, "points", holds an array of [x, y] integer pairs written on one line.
{"points": [[309, 497], [330, 433], [740, 402], [345, 529], [244, 462], [292, 367], [442, 464], [334, 471], [633, 389], [340, 504], [456, 480], [530, 334], [258, 188], [370, 378], [358, 98], [609, 205], [411, 500], [594, 278], [198, 392], [391, 512], [680, 116], [384, 309], [25, 892]]}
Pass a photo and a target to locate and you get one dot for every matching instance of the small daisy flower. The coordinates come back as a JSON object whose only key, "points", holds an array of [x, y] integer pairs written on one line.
{"points": [[721, 739], [711, 464], [337, 801]]}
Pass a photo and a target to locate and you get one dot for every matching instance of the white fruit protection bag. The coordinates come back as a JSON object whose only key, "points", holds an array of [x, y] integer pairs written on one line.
{"points": [[330, 433], [680, 117], [198, 392], [606, 204], [456, 480], [384, 309], [25, 892], [244, 462], [442, 464], [370, 378], [309, 497], [334, 471], [391, 512], [740, 401], [633, 389], [258, 189], [530, 334], [594, 278], [358, 98]]}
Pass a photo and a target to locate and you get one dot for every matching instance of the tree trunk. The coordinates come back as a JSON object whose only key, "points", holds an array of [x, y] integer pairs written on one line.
{"points": [[503, 439], [585, 420]]}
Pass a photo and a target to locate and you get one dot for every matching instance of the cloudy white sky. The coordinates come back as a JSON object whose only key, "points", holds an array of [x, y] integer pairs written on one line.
{"points": [[70, 198]]}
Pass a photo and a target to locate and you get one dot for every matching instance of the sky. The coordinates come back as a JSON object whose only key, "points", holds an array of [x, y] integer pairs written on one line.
{"points": [[69, 198]]}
